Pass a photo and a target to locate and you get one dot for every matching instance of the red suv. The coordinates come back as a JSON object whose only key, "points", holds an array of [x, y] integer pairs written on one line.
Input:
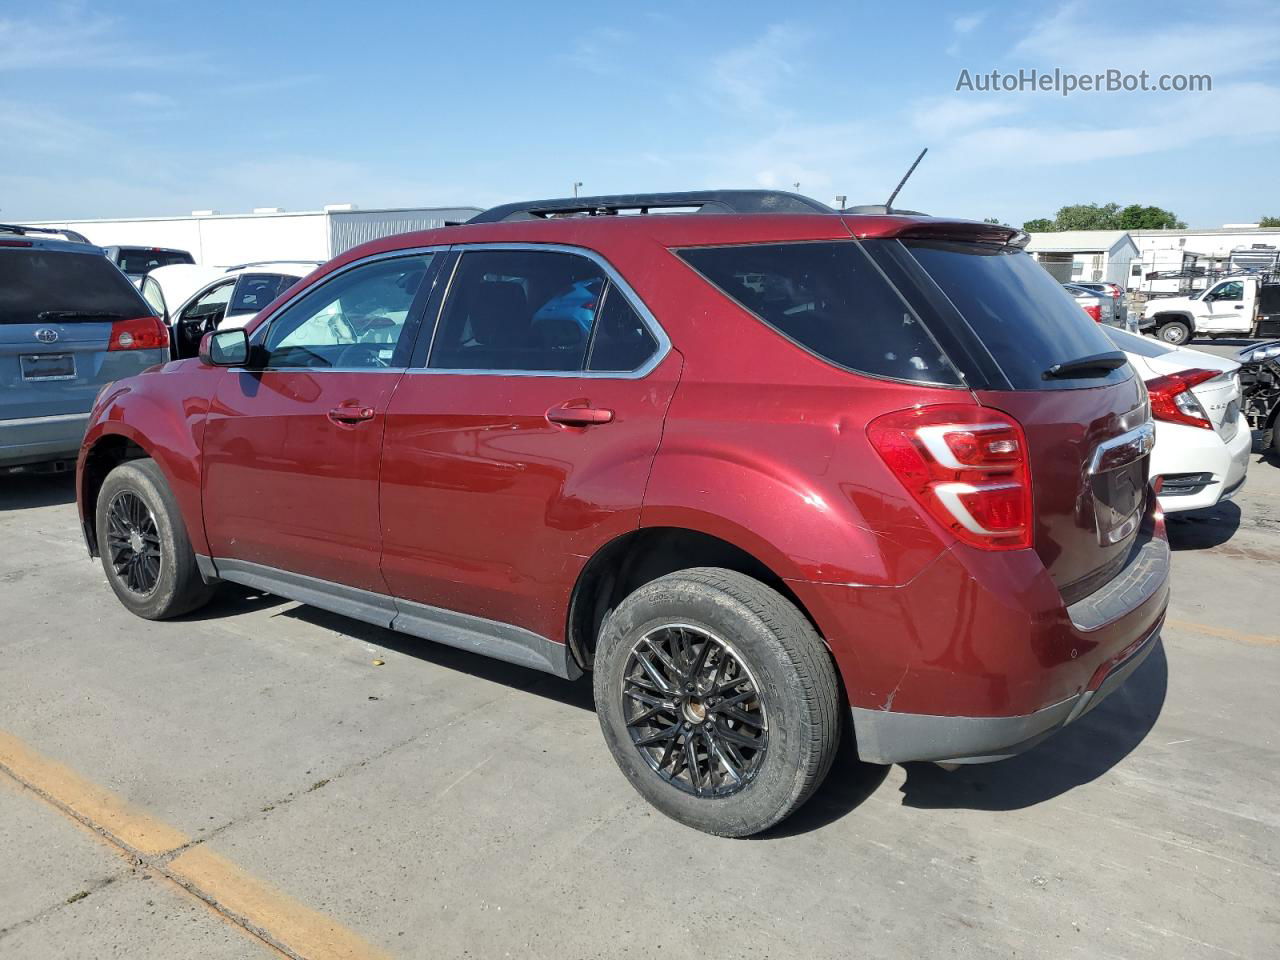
{"points": [[764, 468]]}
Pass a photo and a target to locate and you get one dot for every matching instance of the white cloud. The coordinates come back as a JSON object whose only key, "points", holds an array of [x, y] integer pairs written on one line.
{"points": [[748, 78], [1070, 39], [597, 51], [968, 22], [943, 116], [71, 37]]}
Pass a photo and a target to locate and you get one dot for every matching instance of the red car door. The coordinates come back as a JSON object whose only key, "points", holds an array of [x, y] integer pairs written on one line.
{"points": [[525, 441], [291, 447]]}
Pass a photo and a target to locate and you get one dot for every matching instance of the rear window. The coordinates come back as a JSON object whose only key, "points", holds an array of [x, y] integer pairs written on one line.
{"points": [[830, 299], [137, 260], [38, 286], [1022, 315]]}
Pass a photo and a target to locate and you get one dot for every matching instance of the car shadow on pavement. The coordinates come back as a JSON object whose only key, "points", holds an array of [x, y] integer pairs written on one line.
{"points": [[574, 693], [1073, 756], [22, 491], [1203, 529]]}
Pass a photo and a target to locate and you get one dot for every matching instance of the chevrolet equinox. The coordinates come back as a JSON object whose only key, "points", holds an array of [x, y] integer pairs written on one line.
{"points": [[768, 470]]}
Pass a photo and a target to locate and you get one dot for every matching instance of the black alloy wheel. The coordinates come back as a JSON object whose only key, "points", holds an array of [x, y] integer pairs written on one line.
{"points": [[133, 543]]}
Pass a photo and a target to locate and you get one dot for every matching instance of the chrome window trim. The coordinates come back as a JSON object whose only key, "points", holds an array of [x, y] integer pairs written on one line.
{"points": [[638, 305]]}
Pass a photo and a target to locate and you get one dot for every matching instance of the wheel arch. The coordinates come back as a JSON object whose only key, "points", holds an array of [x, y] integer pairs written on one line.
{"points": [[640, 556], [1171, 316], [106, 452]]}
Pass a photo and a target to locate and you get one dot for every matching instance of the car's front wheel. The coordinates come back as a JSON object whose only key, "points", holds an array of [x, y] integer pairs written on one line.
{"points": [[718, 700], [146, 553], [1175, 332]]}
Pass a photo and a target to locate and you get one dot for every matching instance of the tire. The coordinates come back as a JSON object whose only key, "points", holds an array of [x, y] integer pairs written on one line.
{"points": [[169, 586], [738, 629], [1174, 332]]}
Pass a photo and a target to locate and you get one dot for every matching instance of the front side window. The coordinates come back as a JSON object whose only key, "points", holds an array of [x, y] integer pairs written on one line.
{"points": [[353, 321], [831, 300], [519, 310], [211, 306], [1228, 291]]}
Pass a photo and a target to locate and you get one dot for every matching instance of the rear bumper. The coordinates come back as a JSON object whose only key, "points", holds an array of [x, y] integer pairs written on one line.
{"points": [[978, 657], [39, 439], [888, 737], [1191, 450]]}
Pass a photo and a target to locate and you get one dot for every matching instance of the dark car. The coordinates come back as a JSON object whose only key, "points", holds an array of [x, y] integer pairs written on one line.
{"points": [[136, 262], [69, 323], [799, 469]]}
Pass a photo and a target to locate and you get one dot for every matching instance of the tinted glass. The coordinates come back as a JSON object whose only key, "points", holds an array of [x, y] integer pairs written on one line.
{"points": [[211, 304], [255, 290], [518, 310], [354, 320], [60, 285], [137, 260], [1021, 314], [830, 299], [621, 341]]}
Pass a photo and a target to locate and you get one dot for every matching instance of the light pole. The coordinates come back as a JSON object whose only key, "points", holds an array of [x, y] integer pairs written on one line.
{"points": [[576, 185], [841, 201]]}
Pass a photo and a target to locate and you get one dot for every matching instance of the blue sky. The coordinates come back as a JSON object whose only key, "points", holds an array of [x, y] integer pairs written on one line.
{"points": [[135, 109]]}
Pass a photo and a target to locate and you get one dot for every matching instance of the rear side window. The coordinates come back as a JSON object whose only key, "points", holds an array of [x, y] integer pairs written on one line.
{"points": [[830, 299], [1022, 315], [621, 341], [137, 260], [255, 290], [519, 310], [38, 286]]}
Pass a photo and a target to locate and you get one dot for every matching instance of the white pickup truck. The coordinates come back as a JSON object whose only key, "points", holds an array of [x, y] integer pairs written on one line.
{"points": [[1243, 306]]}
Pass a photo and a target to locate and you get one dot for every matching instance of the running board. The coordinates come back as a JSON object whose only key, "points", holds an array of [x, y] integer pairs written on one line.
{"points": [[490, 638]]}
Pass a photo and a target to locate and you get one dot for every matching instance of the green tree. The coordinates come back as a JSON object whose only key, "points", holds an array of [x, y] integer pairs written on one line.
{"points": [[994, 220], [1269, 221], [1087, 216], [1038, 226], [1137, 217]]}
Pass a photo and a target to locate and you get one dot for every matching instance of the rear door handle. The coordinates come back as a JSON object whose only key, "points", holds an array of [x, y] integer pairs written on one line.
{"points": [[576, 413], [350, 414]]}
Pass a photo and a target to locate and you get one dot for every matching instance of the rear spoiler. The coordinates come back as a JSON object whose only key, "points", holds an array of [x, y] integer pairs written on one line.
{"points": [[964, 231], [23, 231]]}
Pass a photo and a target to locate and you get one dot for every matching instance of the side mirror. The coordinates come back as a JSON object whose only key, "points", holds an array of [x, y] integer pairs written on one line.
{"points": [[225, 348]]}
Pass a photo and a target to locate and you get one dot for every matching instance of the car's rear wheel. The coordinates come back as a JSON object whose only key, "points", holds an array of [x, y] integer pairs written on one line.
{"points": [[718, 700], [146, 553]]}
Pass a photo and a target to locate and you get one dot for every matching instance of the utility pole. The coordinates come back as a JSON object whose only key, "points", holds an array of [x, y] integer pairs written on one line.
{"points": [[797, 186], [841, 201], [576, 185]]}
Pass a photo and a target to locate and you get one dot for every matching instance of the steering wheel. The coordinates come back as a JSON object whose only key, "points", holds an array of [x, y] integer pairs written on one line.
{"points": [[363, 355]]}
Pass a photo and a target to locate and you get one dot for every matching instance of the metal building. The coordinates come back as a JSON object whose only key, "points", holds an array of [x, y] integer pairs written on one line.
{"points": [[268, 233], [1085, 255]]}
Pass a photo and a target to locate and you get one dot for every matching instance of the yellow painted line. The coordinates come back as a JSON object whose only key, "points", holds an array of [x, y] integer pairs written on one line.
{"points": [[271, 914], [235, 895], [1226, 633], [88, 802]]}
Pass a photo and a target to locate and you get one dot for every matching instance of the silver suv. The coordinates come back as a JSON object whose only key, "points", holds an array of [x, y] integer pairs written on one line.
{"points": [[70, 322]]}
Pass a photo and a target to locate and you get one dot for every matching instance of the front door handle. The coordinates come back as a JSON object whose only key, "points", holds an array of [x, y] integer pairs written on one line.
{"points": [[350, 414], [576, 413]]}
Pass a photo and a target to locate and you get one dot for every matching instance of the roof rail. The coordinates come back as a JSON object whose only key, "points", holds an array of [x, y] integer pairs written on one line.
{"points": [[22, 231], [267, 263], [706, 201]]}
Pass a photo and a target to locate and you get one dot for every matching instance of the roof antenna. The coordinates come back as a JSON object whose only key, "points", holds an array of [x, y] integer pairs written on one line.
{"points": [[888, 204]]}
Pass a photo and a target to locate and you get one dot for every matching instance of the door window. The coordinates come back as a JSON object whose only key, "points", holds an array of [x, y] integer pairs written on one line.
{"points": [[1228, 291], [354, 321], [255, 290], [210, 307], [151, 293], [519, 310]]}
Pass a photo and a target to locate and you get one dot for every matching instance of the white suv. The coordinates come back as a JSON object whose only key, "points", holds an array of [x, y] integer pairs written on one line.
{"points": [[193, 300]]}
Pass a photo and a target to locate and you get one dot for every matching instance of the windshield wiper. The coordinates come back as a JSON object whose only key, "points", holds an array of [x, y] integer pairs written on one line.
{"points": [[1098, 365], [79, 315]]}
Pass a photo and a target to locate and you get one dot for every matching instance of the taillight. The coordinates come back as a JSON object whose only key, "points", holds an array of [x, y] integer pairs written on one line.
{"points": [[140, 333], [1094, 310], [1173, 401], [966, 465]]}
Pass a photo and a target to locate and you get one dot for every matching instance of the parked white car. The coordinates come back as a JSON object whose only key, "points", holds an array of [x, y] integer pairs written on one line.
{"points": [[193, 300], [1202, 438]]}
